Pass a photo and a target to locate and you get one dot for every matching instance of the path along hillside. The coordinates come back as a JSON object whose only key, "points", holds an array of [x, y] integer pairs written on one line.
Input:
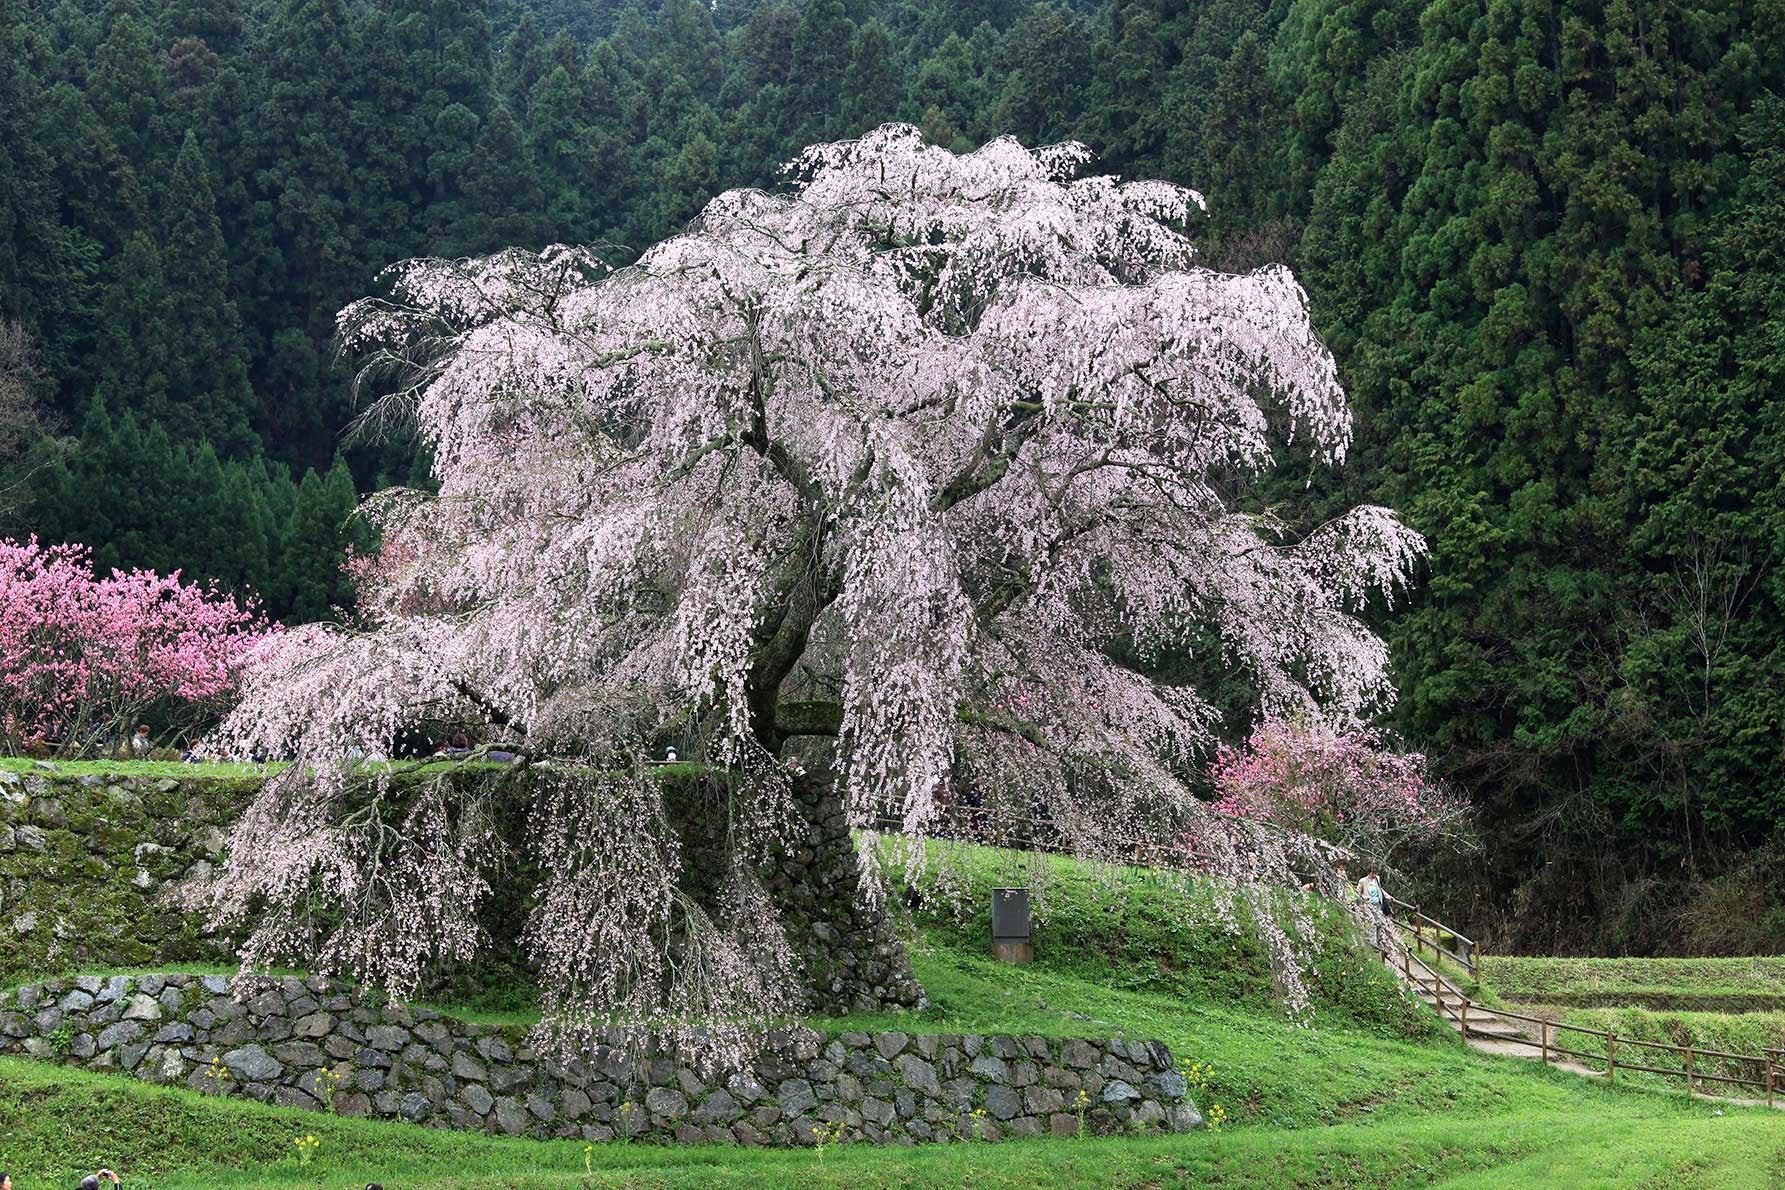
{"points": [[1443, 968]]}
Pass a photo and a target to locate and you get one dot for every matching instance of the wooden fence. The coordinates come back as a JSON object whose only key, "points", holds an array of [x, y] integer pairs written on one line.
{"points": [[1767, 1068], [1425, 933], [1462, 950], [1765, 1071]]}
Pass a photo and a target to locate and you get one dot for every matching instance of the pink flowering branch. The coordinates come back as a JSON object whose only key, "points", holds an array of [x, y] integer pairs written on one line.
{"points": [[1349, 787], [83, 658]]}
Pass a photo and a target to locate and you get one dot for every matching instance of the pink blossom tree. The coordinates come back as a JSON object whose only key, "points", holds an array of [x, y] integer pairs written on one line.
{"points": [[834, 480], [1351, 787], [84, 658]]}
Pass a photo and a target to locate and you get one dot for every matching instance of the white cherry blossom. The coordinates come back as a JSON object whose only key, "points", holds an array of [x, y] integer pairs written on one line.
{"points": [[904, 458]]}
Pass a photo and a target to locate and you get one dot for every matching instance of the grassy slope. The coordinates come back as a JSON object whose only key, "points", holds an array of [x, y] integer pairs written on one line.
{"points": [[1129, 929], [1731, 985], [1313, 1107]]}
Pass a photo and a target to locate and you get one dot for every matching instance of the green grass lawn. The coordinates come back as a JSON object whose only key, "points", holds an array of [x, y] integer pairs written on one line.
{"points": [[1310, 1107], [1705, 985], [135, 768], [1327, 1110], [57, 1126], [1373, 1092]]}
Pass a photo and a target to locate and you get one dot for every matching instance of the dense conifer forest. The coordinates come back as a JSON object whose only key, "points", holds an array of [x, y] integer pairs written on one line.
{"points": [[1545, 239]]}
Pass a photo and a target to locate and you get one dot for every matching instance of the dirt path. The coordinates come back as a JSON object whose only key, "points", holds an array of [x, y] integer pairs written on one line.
{"points": [[1500, 1037], [1501, 1048]]}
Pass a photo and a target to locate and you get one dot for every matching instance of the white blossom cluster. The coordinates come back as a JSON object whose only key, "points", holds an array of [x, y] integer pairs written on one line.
{"points": [[874, 458]]}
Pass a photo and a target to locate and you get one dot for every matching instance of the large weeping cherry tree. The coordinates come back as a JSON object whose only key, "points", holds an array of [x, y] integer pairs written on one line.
{"points": [[900, 460]]}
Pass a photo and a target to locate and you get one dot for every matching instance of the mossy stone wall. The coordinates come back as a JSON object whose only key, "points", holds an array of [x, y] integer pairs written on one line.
{"points": [[84, 859]]}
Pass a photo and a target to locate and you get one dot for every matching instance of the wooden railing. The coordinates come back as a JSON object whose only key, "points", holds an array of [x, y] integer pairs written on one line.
{"points": [[1448, 999], [1768, 1066], [1417, 924]]}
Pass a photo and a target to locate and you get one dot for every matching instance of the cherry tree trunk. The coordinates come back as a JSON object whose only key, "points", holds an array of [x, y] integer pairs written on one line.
{"points": [[851, 953]]}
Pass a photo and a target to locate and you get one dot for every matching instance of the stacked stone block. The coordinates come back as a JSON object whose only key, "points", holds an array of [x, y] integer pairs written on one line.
{"points": [[308, 1043]]}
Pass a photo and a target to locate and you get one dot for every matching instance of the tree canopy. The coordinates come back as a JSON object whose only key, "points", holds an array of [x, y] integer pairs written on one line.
{"points": [[874, 459]]}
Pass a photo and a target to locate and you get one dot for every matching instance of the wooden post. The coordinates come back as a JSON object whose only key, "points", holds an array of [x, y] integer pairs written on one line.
{"points": [[1611, 1057], [1464, 1002], [1543, 1033], [1769, 1076], [1689, 1070]]}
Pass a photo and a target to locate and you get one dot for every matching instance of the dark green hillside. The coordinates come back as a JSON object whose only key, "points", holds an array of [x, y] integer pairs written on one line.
{"points": [[1544, 239]]}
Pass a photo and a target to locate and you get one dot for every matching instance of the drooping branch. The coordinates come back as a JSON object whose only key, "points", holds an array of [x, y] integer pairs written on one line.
{"points": [[936, 433]]}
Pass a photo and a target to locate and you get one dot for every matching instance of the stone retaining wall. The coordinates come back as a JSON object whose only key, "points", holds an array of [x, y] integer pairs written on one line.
{"points": [[83, 861], [304, 1042], [854, 960]]}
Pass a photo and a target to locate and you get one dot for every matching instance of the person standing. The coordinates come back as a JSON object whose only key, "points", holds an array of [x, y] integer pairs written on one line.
{"points": [[1370, 889], [94, 1181]]}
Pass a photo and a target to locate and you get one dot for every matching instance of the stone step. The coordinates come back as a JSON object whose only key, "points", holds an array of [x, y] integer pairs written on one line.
{"points": [[1450, 1001], [1482, 1022], [1488, 1027]]}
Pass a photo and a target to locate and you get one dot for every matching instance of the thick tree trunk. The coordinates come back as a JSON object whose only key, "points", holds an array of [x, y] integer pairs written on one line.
{"points": [[852, 955]]}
